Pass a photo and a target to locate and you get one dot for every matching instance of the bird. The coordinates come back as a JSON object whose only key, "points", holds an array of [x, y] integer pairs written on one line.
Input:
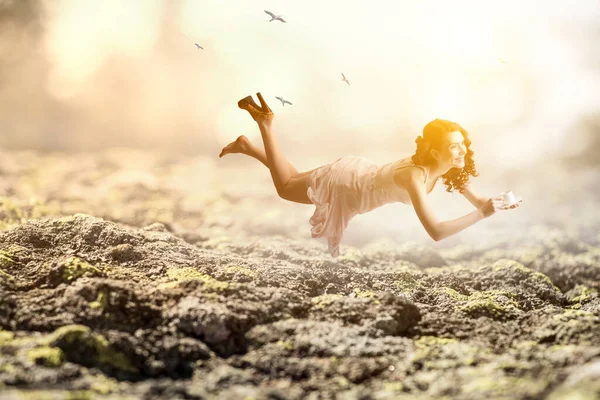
{"points": [[198, 46], [503, 61], [344, 79], [274, 17], [283, 101]]}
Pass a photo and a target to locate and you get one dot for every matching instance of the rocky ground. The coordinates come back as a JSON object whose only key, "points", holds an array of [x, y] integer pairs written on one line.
{"points": [[128, 275]]}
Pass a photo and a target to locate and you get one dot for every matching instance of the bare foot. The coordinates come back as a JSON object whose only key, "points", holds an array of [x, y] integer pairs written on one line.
{"points": [[240, 145]]}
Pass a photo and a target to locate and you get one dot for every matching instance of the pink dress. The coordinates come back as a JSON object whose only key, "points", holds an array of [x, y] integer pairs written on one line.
{"points": [[349, 186]]}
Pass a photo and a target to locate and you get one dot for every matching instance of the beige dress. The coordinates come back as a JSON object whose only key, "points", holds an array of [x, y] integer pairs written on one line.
{"points": [[349, 186]]}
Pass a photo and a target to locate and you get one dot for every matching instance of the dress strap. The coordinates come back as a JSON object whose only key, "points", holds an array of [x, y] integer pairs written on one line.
{"points": [[412, 164]]}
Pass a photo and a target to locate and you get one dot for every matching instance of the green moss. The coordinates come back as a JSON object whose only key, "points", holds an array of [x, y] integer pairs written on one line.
{"points": [[484, 307], [584, 293], [514, 365], [103, 385], [406, 283], [51, 357], [518, 267], [109, 356], [323, 301], [176, 276], [75, 268], [6, 337], [81, 335], [364, 294], [68, 334], [574, 315], [452, 293], [8, 254], [80, 395], [393, 386], [8, 369], [5, 259], [6, 276], [561, 348], [286, 344], [101, 302], [428, 341], [340, 382], [438, 353], [486, 303]]}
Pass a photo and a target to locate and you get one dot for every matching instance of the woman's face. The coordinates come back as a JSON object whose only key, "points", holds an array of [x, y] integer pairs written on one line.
{"points": [[453, 150]]}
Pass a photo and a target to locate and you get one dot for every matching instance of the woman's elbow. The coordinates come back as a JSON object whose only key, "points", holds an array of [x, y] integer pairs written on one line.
{"points": [[435, 235]]}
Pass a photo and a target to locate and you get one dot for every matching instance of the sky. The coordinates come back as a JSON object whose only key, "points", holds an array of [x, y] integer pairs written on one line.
{"points": [[84, 74]]}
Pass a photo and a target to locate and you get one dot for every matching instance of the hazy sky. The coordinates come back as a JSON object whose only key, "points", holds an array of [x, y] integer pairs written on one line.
{"points": [[517, 75]]}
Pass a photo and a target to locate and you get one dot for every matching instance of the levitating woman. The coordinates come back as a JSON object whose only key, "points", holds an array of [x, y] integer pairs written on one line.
{"points": [[353, 185]]}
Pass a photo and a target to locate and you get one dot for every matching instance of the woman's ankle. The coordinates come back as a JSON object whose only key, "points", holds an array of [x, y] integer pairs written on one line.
{"points": [[264, 125]]}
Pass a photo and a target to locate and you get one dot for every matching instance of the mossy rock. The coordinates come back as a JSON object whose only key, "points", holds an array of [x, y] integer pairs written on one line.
{"points": [[47, 356], [101, 302], [6, 337], [406, 283], [520, 269], [74, 268], [495, 304], [439, 353], [178, 276], [581, 294], [325, 300], [84, 347]]}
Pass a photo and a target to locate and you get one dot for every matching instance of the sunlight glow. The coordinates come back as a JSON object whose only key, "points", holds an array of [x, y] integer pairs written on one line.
{"points": [[477, 63]]}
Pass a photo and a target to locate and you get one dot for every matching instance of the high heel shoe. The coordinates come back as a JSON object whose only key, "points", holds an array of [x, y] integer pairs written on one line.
{"points": [[248, 104]]}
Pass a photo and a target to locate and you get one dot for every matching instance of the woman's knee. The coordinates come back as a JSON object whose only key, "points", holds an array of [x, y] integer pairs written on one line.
{"points": [[295, 190]]}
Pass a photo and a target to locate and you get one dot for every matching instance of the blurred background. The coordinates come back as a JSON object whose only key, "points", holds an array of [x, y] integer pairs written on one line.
{"points": [[80, 78]]}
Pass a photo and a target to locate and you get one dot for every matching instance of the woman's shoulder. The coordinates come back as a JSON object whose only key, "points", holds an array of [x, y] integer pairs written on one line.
{"points": [[407, 171], [406, 163]]}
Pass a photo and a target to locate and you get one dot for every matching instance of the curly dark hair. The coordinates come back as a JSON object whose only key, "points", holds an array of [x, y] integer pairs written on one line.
{"points": [[433, 137]]}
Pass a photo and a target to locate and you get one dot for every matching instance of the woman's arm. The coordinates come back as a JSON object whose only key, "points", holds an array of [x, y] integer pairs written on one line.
{"points": [[412, 179], [475, 199]]}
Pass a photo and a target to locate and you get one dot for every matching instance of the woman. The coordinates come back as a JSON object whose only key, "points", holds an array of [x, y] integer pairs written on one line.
{"points": [[354, 185]]}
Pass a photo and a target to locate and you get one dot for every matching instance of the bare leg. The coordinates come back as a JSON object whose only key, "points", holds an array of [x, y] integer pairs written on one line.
{"points": [[294, 190], [243, 145], [290, 184]]}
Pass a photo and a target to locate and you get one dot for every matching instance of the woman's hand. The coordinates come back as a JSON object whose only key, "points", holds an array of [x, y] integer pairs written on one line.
{"points": [[516, 205], [492, 205]]}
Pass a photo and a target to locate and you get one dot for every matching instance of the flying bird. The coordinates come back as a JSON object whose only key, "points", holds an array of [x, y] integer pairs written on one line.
{"points": [[198, 46], [283, 101], [345, 80], [503, 61], [275, 17]]}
